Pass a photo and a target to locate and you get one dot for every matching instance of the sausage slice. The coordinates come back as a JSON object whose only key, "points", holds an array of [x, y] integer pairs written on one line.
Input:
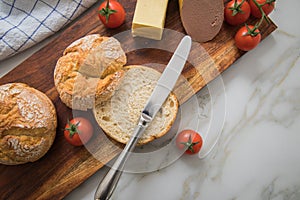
{"points": [[202, 19]]}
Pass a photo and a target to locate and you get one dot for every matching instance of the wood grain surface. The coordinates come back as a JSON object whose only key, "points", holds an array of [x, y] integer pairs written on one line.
{"points": [[65, 167]]}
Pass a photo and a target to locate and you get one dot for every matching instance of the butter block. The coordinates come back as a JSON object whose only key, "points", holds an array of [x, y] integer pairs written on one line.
{"points": [[149, 18]]}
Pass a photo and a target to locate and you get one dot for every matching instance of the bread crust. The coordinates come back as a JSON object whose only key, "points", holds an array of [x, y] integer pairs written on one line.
{"points": [[121, 127], [89, 69], [27, 124]]}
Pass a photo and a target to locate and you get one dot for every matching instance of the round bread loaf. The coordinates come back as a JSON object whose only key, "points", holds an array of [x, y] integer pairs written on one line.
{"points": [[119, 115], [27, 124], [89, 69]]}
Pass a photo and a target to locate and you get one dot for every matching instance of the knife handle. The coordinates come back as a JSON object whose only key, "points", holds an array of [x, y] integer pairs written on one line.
{"points": [[111, 179]]}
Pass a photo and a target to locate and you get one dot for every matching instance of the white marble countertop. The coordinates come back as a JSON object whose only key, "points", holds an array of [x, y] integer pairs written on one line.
{"points": [[258, 154]]}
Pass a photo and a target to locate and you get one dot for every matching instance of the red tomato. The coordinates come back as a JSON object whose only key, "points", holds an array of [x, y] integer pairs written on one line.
{"points": [[247, 38], [268, 7], [236, 12], [189, 140], [78, 131], [111, 13]]}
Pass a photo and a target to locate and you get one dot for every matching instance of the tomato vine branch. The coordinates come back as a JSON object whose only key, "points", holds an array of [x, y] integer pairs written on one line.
{"points": [[252, 31]]}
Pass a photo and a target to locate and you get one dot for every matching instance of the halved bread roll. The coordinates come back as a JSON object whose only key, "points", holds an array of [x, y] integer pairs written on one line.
{"points": [[90, 68], [27, 124], [119, 115]]}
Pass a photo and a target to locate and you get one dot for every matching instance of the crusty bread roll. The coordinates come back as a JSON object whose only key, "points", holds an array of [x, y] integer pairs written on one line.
{"points": [[27, 124], [90, 68], [119, 115]]}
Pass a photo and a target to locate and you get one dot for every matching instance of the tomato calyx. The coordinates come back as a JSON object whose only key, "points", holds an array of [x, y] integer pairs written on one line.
{"points": [[252, 31], [189, 144], [237, 8], [107, 11], [73, 128]]}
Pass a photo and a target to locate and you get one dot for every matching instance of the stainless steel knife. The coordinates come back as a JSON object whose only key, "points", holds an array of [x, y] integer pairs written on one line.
{"points": [[160, 93]]}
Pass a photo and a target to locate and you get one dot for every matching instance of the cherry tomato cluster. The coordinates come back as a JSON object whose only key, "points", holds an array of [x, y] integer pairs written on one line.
{"points": [[237, 12]]}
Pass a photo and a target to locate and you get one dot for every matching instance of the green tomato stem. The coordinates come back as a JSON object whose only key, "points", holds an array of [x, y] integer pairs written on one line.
{"points": [[252, 31], [189, 144], [263, 14], [73, 128], [237, 8], [107, 11], [268, 2]]}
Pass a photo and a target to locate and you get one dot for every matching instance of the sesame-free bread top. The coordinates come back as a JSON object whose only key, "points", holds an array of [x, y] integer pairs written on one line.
{"points": [[27, 124], [90, 68]]}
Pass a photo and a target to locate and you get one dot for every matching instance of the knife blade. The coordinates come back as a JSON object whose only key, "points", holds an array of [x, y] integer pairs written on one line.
{"points": [[160, 93], [169, 77]]}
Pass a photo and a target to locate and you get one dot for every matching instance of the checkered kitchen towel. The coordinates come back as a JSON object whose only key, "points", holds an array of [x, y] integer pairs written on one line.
{"points": [[24, 23]]}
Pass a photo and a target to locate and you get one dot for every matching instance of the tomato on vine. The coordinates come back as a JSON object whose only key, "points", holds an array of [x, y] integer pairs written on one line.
{"points": [[247, 37], [236, 12], [267, 7]]}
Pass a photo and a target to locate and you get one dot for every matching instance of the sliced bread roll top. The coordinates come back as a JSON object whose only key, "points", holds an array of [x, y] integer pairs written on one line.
{"points": [[119, 115], [90, 68]]}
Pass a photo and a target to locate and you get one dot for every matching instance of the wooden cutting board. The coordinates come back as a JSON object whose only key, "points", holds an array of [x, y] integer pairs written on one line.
{"points": [[65, 167]]}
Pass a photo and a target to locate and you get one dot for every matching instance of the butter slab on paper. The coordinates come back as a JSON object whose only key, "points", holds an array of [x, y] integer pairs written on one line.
{"points": [[149, 18]]}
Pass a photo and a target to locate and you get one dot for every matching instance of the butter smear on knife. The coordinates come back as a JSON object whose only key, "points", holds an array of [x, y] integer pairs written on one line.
{"points": [[149, 18]]}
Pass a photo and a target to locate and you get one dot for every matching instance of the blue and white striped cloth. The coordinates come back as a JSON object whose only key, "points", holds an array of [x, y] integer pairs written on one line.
{"points": [[25, 23]]}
